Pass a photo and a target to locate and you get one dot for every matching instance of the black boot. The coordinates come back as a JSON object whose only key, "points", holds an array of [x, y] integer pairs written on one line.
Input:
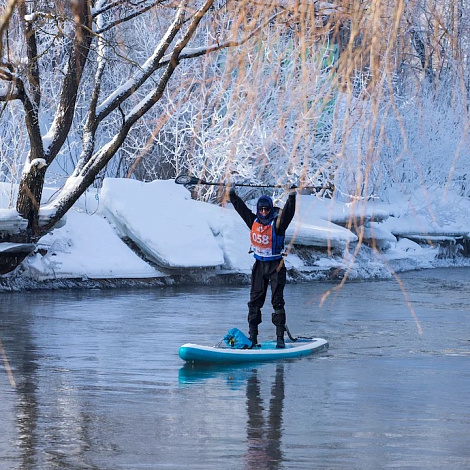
{"points": [[279, 319], [253, 336], [280, 344]]}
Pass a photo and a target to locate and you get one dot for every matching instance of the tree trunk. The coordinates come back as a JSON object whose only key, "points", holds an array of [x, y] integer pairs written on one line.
{"points": [[29, 198], [32, 180]]}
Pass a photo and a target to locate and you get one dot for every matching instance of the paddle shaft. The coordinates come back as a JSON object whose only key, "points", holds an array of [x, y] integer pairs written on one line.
{"points": [[193, 181]]}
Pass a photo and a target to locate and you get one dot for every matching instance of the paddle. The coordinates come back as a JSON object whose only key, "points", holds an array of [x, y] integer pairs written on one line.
{"points": [[189, 180], [193, 181]]}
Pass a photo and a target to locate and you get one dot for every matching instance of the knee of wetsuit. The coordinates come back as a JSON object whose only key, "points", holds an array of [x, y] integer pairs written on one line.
{"points": [[254, 316], [279, 317]]}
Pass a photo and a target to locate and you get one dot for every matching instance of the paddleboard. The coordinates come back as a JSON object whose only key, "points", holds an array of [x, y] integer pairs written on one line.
{"points": [[266, 351]]}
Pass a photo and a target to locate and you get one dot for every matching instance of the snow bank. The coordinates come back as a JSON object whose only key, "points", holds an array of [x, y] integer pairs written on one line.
{"points": [[163, 221], [312, 208], [176, 233], [431, 213], [86, 247], [323, 233], [11, 221]]}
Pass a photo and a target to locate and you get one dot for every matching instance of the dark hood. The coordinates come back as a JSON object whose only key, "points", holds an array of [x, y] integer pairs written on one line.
{"points": [[264, 201]]}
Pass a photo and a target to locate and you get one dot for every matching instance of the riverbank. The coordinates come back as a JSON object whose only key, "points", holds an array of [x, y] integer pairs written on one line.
{"points": [[367, 270], [153, 234]]}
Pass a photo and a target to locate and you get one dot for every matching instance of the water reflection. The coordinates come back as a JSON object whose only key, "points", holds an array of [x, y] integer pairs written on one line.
{"points": [[263, 411], [235, 376], [264, 434], [46, 425], [21, 353]]}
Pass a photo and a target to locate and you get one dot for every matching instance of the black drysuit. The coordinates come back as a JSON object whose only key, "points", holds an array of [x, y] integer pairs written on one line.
{"points": [[265, 272]]}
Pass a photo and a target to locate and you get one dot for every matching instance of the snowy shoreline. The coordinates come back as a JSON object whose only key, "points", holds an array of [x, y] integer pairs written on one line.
{"points": [[18, 283], [112, 239]]}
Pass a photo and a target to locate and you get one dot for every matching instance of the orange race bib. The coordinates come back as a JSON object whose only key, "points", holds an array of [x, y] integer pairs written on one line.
{"points": [[262, 239]]}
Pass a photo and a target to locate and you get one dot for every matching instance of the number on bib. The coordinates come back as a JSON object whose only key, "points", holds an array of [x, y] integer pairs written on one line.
{"points": [[260, 239]]}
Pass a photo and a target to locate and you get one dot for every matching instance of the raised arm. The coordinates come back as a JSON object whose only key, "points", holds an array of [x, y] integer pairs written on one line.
{"points": [[241, 208], [287, 213]]}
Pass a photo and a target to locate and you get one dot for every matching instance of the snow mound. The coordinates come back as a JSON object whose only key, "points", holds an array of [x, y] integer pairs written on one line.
{"points": [[323, 233], [86, 247], [163, 221], [432, 215]]}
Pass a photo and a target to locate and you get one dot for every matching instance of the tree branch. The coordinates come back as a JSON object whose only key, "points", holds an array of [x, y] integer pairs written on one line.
{"points": [[127, 18], [32, 122], [32, 53], [6, 95], [197, 52], [91, 123], [117, 3], [5, 21], [147, 69], [78, 55]]}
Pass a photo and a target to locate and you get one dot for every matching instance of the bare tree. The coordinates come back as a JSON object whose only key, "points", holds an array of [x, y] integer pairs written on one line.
{"points": [[88, 32]]}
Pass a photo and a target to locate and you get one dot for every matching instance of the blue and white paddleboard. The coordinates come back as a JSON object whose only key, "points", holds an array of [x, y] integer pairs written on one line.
{"points": [[267, 351]]}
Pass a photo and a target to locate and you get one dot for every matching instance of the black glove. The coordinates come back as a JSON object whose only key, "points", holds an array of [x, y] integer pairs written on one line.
{"points": [[292, 190], [232, 191]]}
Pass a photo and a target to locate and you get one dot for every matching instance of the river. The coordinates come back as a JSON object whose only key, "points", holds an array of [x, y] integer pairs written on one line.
{"points": [[91, 379]]}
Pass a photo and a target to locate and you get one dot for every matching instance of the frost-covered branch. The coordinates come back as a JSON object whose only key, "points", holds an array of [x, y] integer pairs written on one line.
{"points": [[97, 113], [145, 71], [78, 53], [191, 53], [5, 21], [129, 17], [103, 8]]}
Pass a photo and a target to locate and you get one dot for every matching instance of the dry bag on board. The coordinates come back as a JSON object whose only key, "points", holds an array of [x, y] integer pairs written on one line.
{"points": [[236, 339]]}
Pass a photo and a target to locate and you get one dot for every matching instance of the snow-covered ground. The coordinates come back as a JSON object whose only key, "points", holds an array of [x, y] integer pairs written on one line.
{"points": [[178, 234]]}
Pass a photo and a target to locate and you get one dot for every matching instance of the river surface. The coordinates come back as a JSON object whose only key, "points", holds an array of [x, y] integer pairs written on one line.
{"points": [[92, 379]]}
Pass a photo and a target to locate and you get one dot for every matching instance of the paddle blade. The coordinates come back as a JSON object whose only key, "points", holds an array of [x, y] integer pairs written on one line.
{"points": [[186, 179], [193, 181]]}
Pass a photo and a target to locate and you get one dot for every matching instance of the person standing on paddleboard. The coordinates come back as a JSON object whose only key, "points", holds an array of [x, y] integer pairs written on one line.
{"points": [[268, 228]]}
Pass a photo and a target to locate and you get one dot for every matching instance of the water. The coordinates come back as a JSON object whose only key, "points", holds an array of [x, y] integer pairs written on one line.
{"points": [[96, 381]]}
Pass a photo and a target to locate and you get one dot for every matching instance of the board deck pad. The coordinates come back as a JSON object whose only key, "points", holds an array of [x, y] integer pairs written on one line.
{"points": [[266, 351]]}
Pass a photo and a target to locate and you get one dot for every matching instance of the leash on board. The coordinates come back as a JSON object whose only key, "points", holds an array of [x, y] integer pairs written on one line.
{"points": [[296, 338]]}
